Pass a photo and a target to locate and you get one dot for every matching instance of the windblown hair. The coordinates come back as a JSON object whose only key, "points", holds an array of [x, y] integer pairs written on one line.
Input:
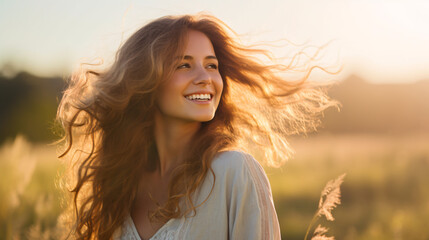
{"points": [[108, 120]]}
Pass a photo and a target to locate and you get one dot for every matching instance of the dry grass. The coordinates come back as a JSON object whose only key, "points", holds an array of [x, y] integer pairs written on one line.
{"points": [[329, 199], [29, 200]]}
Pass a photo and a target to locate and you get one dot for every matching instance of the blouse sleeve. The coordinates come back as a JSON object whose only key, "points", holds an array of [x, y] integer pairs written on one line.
{"points": [[251, 212]]}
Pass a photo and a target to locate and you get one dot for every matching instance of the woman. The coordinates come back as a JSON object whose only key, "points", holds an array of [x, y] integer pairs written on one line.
{"points": [[159, 140]]}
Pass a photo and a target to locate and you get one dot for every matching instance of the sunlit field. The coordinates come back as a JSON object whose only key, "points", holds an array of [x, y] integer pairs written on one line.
{"points": [[385, 194], [29, 199]]}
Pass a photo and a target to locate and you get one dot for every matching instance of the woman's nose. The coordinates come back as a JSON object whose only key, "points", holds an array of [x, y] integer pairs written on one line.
{"points": [[202, 76]]}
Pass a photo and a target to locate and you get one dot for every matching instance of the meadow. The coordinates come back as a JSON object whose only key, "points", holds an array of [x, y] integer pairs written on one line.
{"points": [[385, 194]]}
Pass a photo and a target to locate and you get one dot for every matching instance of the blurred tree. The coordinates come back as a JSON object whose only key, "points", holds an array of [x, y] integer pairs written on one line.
{"points": [[28, 106]]}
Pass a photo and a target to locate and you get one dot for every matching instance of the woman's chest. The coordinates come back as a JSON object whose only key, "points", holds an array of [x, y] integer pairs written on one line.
{"points": [[147, 202]]}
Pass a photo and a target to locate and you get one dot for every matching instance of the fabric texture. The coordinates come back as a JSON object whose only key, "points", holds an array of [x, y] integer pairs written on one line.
{"points": [[239, 207]]}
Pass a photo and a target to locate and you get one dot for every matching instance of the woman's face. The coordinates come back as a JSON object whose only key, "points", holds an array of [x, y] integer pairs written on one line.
{"points": [[194, 90]]}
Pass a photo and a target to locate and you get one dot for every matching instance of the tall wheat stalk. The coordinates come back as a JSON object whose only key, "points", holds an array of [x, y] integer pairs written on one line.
{"points": [[329, 199]]}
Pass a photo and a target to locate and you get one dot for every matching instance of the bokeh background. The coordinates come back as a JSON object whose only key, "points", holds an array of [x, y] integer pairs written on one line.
{"points": [[379, 138]]}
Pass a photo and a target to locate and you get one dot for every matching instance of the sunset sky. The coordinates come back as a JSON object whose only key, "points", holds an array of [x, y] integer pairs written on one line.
{"points": [[384, 41]]}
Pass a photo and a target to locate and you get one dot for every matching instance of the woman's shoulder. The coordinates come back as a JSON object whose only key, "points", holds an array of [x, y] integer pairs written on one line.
{"points": [[231, 159], [235, 162]]}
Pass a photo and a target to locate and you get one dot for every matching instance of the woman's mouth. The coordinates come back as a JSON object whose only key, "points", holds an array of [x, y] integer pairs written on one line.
{"points": [[204, 97]]}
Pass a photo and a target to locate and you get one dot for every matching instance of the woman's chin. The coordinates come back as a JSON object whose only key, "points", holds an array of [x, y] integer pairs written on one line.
{"points": [[203, 117]]}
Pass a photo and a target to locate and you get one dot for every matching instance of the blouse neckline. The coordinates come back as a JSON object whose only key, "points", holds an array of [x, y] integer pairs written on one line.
{"points": [[136, 233]]}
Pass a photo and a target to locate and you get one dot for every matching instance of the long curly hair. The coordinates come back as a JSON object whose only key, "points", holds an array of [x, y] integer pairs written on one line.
{"points": [[108, 120]]}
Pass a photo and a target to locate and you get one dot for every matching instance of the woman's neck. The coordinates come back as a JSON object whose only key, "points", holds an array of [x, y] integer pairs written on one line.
{"points": [[171, 137]]}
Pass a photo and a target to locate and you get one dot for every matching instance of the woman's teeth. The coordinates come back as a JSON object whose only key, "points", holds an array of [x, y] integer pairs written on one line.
{"points": [[199, 97]]}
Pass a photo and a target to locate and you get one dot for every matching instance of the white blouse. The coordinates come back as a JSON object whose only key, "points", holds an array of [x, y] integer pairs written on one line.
{"points": [[240, 206]]}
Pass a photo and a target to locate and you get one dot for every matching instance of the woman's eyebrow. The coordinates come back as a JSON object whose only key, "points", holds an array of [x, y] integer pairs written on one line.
{"points": [[187, 57]]}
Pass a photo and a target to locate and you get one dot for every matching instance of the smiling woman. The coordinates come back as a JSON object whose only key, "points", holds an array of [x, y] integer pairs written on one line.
{"points": [[159, 142]]}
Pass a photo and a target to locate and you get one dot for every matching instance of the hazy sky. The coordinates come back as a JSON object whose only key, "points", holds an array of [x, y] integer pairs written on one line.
{"points": [[384, 41]]}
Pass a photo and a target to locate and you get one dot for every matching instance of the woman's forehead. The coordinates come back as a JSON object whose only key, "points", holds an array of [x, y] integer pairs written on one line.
{"points": [[198, 44]]}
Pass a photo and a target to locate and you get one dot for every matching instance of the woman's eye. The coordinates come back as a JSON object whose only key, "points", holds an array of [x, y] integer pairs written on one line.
{"points": [[214, 66], [183, 65]]}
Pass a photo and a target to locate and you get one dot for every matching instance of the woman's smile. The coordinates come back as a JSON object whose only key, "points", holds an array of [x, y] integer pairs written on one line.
{"points": [[200, 98]]}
